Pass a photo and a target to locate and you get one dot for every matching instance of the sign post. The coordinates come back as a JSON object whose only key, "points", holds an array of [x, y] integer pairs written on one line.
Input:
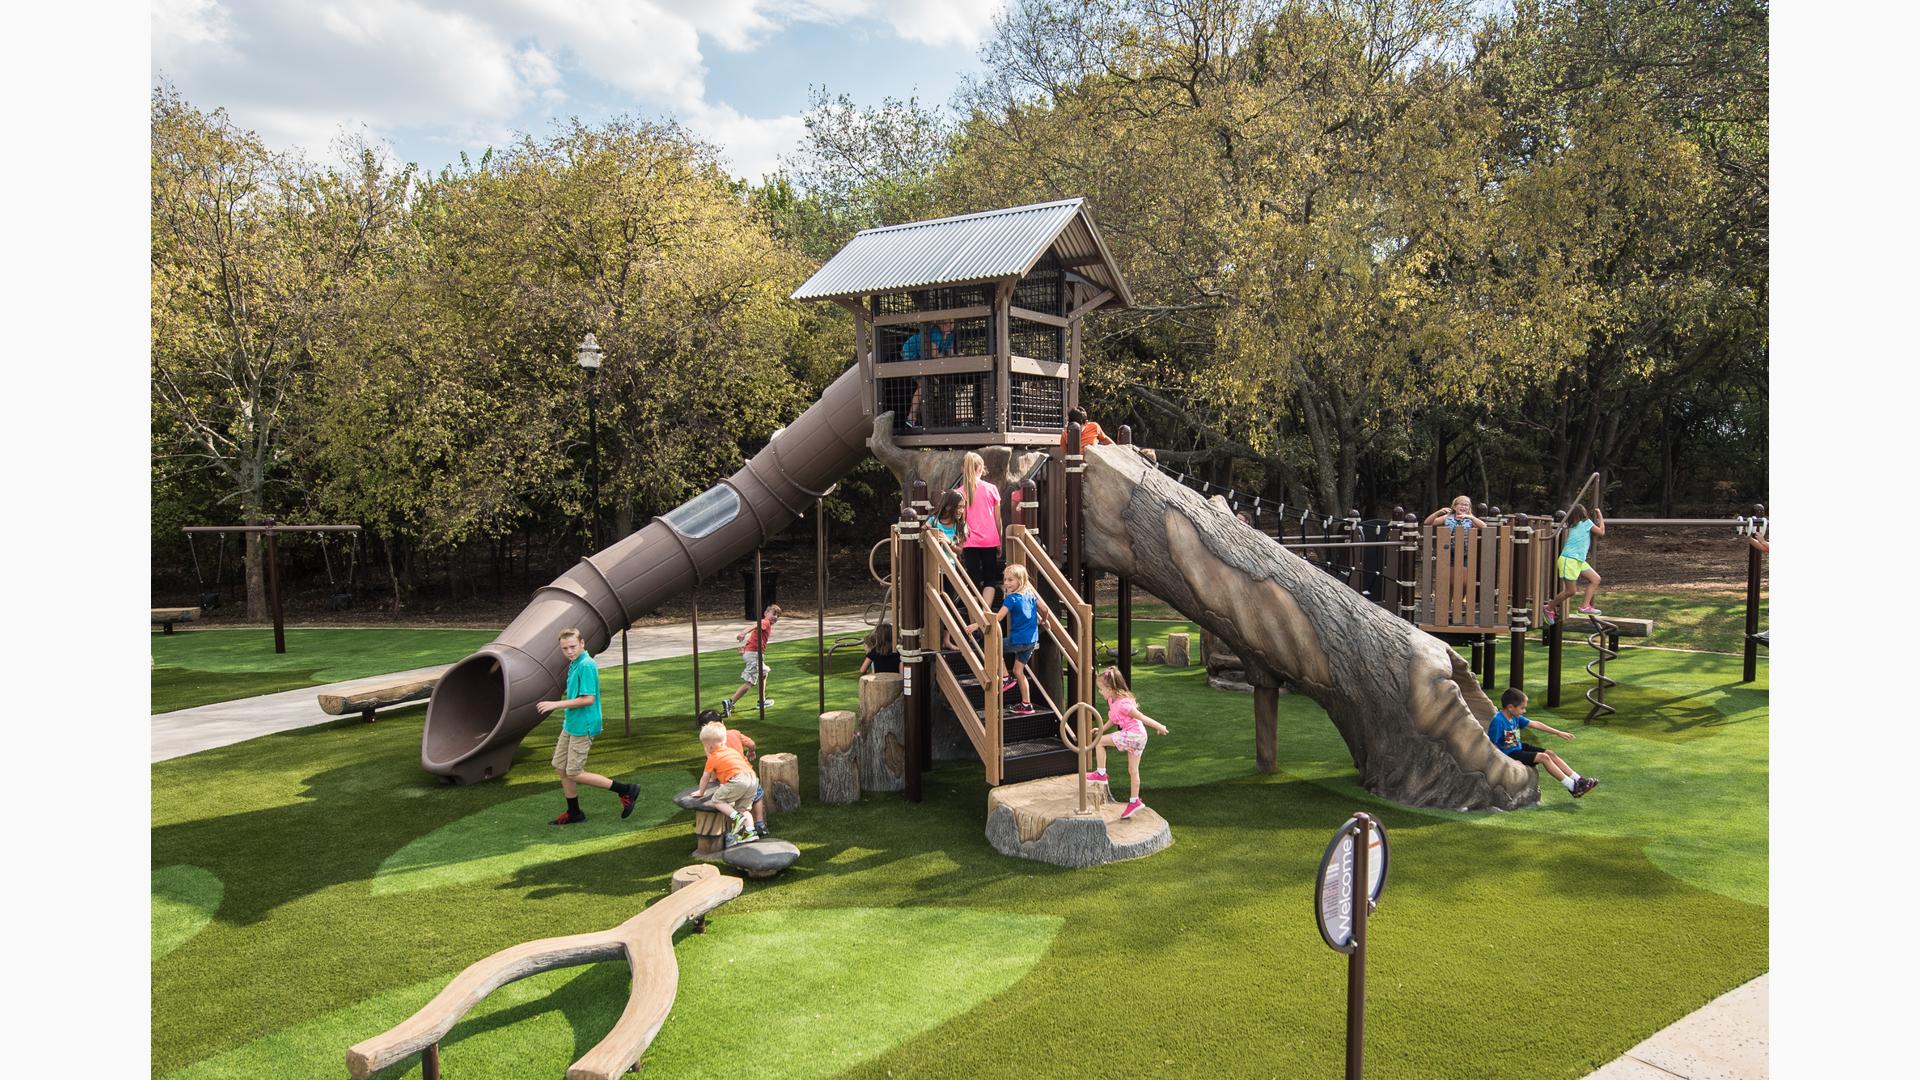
{"points": [[1352, 874]]}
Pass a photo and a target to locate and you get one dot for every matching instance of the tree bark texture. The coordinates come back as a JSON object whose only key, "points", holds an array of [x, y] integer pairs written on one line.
{"points": [[839, 757], [883, 733], [780, 779]]}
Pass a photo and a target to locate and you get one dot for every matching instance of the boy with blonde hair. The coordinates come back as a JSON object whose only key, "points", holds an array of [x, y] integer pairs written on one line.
{"points": [[728, 782], [578, 727]]}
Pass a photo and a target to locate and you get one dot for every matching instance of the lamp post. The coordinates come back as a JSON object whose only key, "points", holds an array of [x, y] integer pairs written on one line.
{"points": [[589, 358]]}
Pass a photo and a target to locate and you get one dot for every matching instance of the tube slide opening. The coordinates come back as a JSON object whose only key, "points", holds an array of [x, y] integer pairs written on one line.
{"points": [[467, 706]]}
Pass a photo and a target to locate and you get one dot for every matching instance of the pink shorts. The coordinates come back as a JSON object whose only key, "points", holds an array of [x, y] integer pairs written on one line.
{"points": [[1133, 742]]}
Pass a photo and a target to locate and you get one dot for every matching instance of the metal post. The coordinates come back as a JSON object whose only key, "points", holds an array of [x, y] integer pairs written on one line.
{"points": [[1750, 658], [1357, 960], [430, 1062], [1076, 470], [593, 445], [1409, 567], [917, 680], [820, 590], [626, 697], [1555, 629], [273, 588], [696, 651]]}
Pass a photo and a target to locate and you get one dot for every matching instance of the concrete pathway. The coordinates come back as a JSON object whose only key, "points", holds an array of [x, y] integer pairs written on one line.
{"points": [[204, 727], [1725, 1039]]}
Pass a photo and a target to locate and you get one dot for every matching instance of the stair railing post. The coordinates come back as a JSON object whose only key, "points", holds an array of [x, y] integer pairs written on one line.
{"points": [[1076, 534]]}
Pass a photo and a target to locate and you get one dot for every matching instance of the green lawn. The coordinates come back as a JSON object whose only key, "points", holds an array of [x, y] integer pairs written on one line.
{"points": [[312, 888], [199, 667]]}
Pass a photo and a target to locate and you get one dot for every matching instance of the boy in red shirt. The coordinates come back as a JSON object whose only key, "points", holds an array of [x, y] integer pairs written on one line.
{"points": [[753, 655], [731, 782]]}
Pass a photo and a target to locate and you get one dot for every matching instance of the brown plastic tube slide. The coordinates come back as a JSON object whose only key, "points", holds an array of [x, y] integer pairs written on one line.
{"points": [[483, 705]]}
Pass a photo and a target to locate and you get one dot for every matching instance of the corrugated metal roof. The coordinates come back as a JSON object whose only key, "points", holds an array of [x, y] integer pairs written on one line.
{"points": [[971, 247]]}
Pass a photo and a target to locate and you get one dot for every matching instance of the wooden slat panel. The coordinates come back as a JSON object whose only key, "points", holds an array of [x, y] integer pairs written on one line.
{"points": [[1446, 612], [941, 315], [1490, 613], [1423, 591], [1053, 369], [1507, 593]]}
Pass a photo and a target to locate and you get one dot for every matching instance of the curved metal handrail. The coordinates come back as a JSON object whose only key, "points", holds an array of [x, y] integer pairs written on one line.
{"points": [[1081, 748], [875, 550]]}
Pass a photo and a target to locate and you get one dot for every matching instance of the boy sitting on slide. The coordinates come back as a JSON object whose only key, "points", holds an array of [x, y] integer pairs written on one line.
{"points": [[1504, 729]]}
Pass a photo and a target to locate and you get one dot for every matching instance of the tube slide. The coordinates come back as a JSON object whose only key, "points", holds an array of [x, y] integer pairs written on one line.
{"points": [[483, 706]]}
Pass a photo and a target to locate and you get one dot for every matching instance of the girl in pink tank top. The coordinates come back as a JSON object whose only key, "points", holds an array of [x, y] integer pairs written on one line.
{"points": [[1129, 734]]}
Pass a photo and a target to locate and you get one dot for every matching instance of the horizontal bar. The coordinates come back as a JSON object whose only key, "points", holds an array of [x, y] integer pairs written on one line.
{"points": [[942, 365], [1735, 522], [908, 318], [1342, 544], [267, 528], [1045, 318]]}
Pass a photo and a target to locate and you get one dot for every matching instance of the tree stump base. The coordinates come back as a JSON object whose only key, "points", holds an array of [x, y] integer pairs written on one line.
{"points": [[1179, 652], [882, 738], [1156, 654], [780, 779], [1040, 820], [709, 834], [839, 757]]}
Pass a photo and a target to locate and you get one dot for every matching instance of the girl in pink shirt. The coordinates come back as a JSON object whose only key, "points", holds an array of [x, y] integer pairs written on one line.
{"points": [[980, 509], [1129, 734]]}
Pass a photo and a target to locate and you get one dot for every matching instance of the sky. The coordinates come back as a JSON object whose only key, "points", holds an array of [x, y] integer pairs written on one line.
{"points": [[433, 78]]}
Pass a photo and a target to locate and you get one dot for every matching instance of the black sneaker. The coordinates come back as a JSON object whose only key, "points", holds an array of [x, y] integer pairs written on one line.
{"points": [[760, 832], [627, 798], [1584, 785], [571, 817], [726, 708]]}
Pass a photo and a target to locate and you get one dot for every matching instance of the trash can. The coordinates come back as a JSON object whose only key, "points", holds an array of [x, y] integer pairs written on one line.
{"points": [[769, 591]]}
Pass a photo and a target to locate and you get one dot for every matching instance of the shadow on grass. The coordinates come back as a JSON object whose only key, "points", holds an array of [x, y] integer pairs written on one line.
{"points": [[1683, 717]]}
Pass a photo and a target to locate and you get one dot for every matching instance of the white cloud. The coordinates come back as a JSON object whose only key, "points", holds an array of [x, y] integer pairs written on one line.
{"points": [[441, 71]]}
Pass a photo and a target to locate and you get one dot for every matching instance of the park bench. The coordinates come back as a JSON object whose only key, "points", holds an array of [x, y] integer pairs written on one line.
{"points": [[165, 617], [366, 701]]}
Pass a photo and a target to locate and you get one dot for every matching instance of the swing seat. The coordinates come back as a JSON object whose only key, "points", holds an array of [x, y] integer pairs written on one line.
{"points": [[209, 601], [342, 601]]}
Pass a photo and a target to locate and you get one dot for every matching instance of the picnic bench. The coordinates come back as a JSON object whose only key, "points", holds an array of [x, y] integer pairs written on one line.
{"points": [[366, 701], [165, 617]]}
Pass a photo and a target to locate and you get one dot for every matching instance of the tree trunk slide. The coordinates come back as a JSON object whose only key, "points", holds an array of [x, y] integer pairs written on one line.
{"points": [[645, 941], [365, 701], [780, 779], [839, 757], [1410, 710], [883, 733]]}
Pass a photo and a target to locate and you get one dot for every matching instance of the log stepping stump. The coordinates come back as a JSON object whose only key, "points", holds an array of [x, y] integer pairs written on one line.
{"points": [[709, 826], [780, 779], [883, 732], [1156, 654], [1040, 820], [1179, 651], [839, 757]]}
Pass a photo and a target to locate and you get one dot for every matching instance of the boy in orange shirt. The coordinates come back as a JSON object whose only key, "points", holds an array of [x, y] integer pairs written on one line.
{"points": [[731, 780], [738, 740]]}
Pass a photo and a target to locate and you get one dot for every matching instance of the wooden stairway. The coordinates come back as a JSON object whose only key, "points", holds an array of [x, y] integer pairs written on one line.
{"points": [[1030, 746]]}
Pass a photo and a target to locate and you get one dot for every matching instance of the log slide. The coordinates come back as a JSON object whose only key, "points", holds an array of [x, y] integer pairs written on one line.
{"points": [[1410, 710], [644, 941]]}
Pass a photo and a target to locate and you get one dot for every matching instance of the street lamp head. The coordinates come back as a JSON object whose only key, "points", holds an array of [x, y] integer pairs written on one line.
{"points": [[589, 353]]}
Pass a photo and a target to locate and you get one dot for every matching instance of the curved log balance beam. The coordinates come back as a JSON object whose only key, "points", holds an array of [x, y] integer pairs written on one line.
{"points": [[645, 941], [1410, 710]]}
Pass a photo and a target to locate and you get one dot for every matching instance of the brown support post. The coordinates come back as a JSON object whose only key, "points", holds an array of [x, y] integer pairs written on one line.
{"points": [[1520, 604], [1125, 633], [1002, 354], [1750, 658], [1551, 552], [820, 591], [273, 588], [430, 1062], [1409, 557], [696, 652], [917, 681], [1266, 728], [626, 698], [1076, 470], [1357, 960]]}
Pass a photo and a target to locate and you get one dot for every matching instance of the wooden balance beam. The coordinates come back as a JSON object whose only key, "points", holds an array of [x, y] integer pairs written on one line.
{"points": [[366, 701], [644, 941], [165, 617]]}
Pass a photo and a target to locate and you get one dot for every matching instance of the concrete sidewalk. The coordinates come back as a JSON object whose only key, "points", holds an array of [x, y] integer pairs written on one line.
{"points": [[1725, 1039], [204, 727]]}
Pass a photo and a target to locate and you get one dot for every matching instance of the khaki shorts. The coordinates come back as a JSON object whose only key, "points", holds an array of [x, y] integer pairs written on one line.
{"points": [[737, 792], [751, 672], [570, 753]]}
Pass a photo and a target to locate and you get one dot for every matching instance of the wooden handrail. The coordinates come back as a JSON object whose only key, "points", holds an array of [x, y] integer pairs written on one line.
{"points": [[969, 718], [644, 941], [945, 580]]}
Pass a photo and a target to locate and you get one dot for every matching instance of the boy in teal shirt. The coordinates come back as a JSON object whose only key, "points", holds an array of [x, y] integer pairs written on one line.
{"points": [[1504, 729], [577, 730]]}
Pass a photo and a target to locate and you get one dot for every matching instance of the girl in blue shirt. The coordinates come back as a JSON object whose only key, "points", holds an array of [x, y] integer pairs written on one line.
{"points": [[1020, 607]]}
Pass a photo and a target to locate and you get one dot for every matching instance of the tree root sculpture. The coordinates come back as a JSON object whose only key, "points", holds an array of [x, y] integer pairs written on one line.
{"points": [[646, 943]]}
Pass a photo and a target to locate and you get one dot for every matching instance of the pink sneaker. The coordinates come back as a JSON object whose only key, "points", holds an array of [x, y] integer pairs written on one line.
{"points": [[1133, 807], [1098, 776], [1591, 611]]}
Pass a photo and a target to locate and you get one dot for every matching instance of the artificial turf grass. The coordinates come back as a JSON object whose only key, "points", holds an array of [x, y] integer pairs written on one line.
{"points": [[1215, 934], [200, 667]]}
